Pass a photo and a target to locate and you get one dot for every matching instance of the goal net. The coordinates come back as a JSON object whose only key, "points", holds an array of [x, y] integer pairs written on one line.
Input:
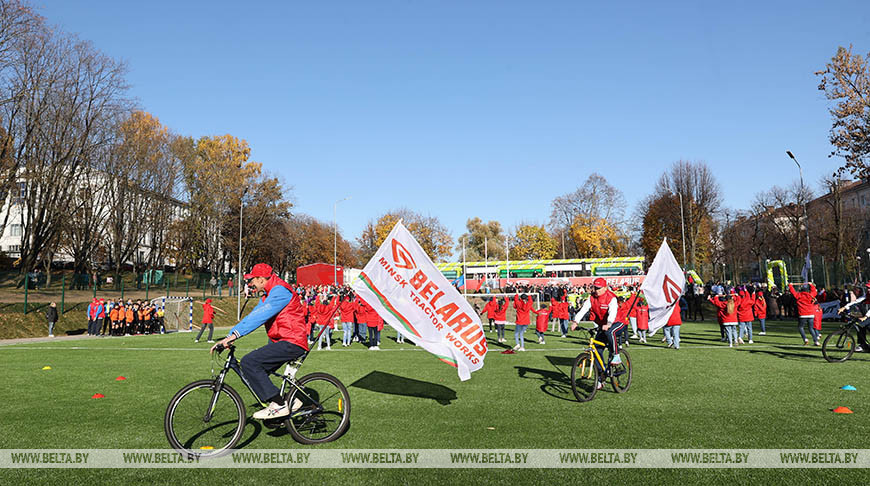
{"points": [[177, 313]]}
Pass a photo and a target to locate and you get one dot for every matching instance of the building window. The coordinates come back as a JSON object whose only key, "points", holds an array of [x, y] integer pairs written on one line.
{"points": [[14, 230], [14, 248]]}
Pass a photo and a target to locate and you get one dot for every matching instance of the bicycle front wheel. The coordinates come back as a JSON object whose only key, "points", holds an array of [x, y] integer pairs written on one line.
{"points": [[584, 377], [320, 409], [620, 374], [838, 346], [202, 422]]}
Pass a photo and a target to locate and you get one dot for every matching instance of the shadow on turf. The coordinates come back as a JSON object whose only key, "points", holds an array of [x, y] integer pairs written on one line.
{"points": [[556, 383], [380, 382]]}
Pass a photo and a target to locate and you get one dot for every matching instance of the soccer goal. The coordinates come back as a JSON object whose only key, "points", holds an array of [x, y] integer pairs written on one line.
{"points": [[177, 313]]}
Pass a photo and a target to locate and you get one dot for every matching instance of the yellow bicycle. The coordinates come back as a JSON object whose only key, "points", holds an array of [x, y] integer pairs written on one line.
{"points": [[590, 370]]}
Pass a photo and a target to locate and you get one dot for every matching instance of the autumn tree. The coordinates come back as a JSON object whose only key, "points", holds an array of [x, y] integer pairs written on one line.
{"points": [[701, 199], [596, 237], [596, 201], [846, 83], [482, 240], [311, 241], [532, 242], [430, 233]]}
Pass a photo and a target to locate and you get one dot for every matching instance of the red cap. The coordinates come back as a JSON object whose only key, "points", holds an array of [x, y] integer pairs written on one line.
{"points": [[259, 270], [599, 282]]}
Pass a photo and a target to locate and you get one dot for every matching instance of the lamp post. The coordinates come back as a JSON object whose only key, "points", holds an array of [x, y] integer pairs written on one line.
{"points": [[335, 241], [806, 219], [859, 270], [683, 227], [239, 268]]}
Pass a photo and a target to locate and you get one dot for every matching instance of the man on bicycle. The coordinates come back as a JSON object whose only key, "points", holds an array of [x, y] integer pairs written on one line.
{"points": [[603, 308], [284, 317], [863, 323]]}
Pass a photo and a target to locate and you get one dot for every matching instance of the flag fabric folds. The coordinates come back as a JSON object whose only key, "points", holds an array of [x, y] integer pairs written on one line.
{"points": [[409, 292], [663, 286]]}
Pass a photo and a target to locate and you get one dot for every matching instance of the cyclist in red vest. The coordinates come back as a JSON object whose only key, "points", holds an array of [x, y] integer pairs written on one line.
{"points": [[283, 315], [603, 309]]}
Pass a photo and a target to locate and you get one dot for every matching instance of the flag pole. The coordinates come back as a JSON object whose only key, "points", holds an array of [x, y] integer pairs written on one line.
{"points": [[486, 262], [464, 276]]}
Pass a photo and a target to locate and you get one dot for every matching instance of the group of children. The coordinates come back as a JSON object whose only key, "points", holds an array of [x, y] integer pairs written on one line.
{"points": [[359, 320], [117, 318], [632, 308]]}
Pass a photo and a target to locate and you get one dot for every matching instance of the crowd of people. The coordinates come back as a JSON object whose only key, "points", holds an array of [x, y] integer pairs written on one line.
{"points": [[119, 318]]}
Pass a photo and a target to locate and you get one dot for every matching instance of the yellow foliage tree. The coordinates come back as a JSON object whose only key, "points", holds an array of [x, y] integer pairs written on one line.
{"points": [[531, 242], [428, 230], [596, 237]]}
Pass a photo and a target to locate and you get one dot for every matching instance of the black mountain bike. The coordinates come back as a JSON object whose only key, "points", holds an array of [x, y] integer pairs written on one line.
{"points": [[841, 344], [207, 417]]}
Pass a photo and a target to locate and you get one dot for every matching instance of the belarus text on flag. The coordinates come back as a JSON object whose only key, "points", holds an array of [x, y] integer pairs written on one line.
{"points": [[403, 285], [662, 287]]}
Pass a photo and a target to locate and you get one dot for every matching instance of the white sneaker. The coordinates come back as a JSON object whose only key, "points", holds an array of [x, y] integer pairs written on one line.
{"points": [[273, 411], [522, 349], [730, 345], [740, 341], [634, 336], [51, 335], [761, 333], [329, 348], [617, 360], [516, 347], [211, 340], [751, 342]]}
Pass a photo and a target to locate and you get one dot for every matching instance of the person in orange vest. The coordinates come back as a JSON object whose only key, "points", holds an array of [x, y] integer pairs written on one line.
{"points": [[541, 320], [129, 319], [116, 315], [207, 320]]}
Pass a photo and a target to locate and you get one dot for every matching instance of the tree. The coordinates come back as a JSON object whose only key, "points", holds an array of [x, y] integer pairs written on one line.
{"points": [[483, 240], [311, 241], [429, 232], [846, 82], [532, 242], [596, 237], [784, 210], [701, 199], [594, 200]]}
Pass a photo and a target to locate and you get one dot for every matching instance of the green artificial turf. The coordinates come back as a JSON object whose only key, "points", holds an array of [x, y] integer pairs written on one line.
{"points": [[773, 394]]}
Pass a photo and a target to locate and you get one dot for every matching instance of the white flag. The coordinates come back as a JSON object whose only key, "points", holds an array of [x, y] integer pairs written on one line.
{"points": [[409, 292], [662, 287]]}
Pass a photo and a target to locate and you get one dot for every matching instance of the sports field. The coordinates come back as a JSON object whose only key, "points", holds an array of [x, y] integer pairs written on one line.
{"points": [[773, 394]]}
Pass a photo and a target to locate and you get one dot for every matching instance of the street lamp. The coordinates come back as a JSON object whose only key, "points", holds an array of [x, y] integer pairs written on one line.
{"points": [[239, 269], [335, 241], [859, 270], [806, 219]]}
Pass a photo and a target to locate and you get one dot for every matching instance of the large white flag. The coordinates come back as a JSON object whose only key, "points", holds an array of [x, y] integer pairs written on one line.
{"points": [[662, 287], [413, 296]]}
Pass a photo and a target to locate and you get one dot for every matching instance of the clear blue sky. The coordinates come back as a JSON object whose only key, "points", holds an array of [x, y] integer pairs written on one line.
{"points": [[489, 109]]}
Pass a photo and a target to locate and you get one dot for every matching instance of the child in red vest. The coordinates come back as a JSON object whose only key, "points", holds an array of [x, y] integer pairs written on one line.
{"points": [[543, 317], [642, 320]]}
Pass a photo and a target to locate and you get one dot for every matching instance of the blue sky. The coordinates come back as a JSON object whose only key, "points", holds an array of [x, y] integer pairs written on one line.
{"points": [[488, 109]]}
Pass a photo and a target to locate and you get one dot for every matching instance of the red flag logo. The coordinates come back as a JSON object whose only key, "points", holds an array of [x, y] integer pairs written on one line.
{"points": [[671, 290], [402, 257]]}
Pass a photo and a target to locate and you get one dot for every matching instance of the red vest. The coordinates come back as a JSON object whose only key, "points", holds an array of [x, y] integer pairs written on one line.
{"points": [[599, 307], [289, 324]]}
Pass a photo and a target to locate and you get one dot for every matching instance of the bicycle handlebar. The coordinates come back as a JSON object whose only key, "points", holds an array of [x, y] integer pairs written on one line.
{"points": [[220, 348]]}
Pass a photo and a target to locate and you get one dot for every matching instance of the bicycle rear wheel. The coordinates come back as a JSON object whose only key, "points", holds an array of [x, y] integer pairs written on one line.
{"points": [[584, 377], [838, 346], [620, 375], [321, 409], [191, 429]]}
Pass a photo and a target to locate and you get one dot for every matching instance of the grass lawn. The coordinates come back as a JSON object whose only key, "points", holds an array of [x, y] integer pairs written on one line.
{"points": [[775, 393]]}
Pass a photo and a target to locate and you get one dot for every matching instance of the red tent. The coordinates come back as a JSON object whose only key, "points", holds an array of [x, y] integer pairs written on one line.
{"points": [[319, 274]]}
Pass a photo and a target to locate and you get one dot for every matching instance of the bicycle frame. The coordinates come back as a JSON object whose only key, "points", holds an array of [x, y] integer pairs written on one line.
{"points": [[287, 379]]}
